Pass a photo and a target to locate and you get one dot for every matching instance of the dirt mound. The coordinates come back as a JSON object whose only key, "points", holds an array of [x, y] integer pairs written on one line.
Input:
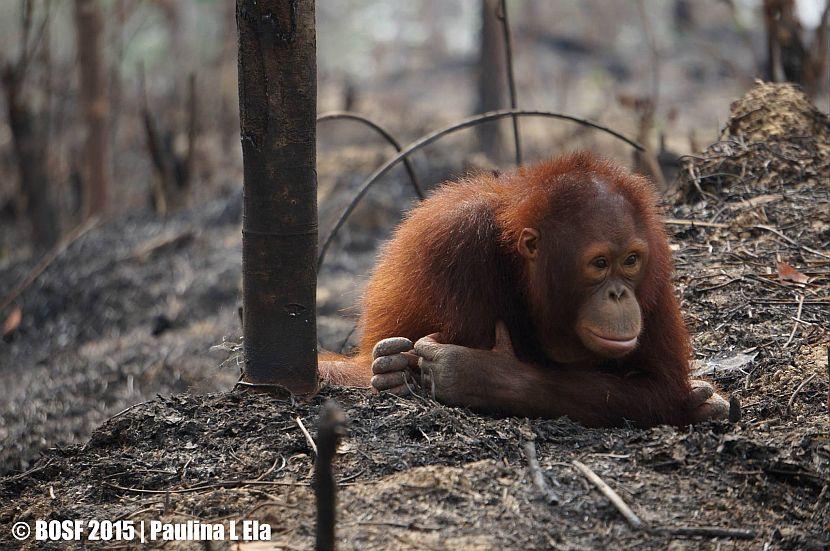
{"points": [[779, 111], [774, 137]]}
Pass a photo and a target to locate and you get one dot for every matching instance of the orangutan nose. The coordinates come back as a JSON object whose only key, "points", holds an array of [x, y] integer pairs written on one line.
{"points": [[617, 291]]}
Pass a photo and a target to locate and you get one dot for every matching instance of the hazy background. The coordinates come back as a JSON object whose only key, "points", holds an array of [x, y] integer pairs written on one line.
{"points": [[411, 65]]}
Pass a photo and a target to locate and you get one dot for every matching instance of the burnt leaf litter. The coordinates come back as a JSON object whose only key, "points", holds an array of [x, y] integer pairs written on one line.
{"points": [[749, 220]]}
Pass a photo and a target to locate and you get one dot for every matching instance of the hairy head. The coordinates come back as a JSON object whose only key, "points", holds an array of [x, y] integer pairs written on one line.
{"points": [[591, 248]]}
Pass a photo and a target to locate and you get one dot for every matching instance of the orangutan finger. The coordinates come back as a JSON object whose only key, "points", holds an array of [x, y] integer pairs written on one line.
{"points": [[392, 345], [701, 391], [719, 407], [387, 381], [715, 408], [386, 364]]}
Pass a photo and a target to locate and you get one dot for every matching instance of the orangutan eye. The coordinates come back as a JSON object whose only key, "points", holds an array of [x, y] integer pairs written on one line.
{"points": [[600, 263], [631, 260]]}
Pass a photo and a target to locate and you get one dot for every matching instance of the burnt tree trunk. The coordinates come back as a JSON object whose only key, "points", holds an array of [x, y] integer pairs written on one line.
{"points": [[174, 171], [683, 15], [93, 97], [30, 147], [227, 61], [491, 70], [277, 109]]}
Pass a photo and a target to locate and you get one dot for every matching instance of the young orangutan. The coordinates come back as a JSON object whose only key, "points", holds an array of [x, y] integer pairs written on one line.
{"points": [[541, 293]]}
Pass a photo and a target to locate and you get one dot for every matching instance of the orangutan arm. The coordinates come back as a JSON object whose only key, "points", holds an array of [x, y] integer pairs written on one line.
{"points": [[495, 381]]}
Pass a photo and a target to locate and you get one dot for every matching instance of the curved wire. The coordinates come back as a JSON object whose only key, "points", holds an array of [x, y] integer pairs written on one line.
{"points": [[429, 138], [334, 115]]}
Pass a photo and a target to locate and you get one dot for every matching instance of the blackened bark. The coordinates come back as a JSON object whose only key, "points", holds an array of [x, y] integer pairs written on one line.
{"points": [[30, 151], [89, 27], [788, 55], [491, 70], [164, 184], [330, 428], [794, 56], [189, 162], [174, 171], [228, 110], [277, 107], [683, 15]]}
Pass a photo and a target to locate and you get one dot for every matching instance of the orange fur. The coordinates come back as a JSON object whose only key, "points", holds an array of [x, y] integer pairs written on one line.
{"points": [[452, 267]]}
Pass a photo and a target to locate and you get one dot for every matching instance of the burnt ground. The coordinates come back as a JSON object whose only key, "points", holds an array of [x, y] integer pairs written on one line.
{"points": [[753, 274]]}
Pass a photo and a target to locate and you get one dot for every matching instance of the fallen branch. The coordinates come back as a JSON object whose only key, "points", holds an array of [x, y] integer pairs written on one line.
{"points": [[633, 520], [709, 532], [210, 486], [795, 325], [307, 435], [30, 472], [130, 408], [162, 244], [693, 223], [790, 302], [50, 257], [790, 241], [537, 475], [797, 390]]}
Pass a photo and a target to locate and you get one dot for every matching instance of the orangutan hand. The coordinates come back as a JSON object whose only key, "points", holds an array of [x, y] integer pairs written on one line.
{"points": [[705, 403]]}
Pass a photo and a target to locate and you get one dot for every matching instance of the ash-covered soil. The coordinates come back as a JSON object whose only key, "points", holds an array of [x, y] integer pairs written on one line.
{"points": [[416, 474], [750, 226]]}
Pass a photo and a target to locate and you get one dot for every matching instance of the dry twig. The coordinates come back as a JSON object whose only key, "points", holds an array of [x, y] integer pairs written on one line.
{"points": [[273, 468], [693, 223], [208, 486], [537, 475], [798, 389], [795, 325], [307, 435], [50, 257], [709, 532], [631, 517], [790, 241]]}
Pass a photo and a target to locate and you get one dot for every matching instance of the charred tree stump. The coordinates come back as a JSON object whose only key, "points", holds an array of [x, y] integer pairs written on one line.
{"points": [[277, 108], [331, 427]]}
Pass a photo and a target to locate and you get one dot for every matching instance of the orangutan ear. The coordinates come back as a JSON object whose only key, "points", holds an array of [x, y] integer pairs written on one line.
{"points": [[529, 243]]}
